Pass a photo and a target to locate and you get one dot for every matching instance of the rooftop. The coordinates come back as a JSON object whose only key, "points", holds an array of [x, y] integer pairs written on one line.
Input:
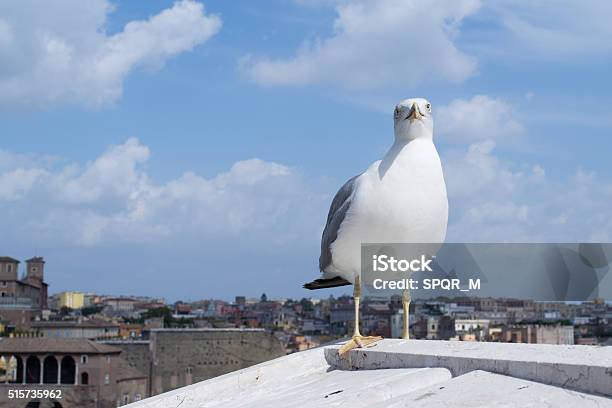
{"points": [[229, 329], [37, 345], [121, 299], [64, 324], [415, 373]]}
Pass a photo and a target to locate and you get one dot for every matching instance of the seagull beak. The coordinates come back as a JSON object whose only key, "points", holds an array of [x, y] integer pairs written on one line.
{"points": [[414, 114]]}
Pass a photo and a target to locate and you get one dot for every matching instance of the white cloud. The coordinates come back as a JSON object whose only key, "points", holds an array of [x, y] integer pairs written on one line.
{"points": [[492, 200], [557, 28], [378, 43], [59, 52], [399, 43], [479, 169], [112, 199], [319, 3], [16, 183], [476, 119], [114, 174]]}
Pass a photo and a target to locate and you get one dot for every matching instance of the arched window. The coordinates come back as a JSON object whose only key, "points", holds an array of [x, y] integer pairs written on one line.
{"points": [[84, 378], [18, 377], [68, 370], [32, 370], [50, 370]]}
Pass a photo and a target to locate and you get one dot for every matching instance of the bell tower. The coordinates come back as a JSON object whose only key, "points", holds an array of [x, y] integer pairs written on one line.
{"points": [[35, 275], [8, 268], [35, 271]]}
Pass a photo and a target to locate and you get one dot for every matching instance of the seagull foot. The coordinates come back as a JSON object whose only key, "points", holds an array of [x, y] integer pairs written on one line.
{"points": [[358, 342]]}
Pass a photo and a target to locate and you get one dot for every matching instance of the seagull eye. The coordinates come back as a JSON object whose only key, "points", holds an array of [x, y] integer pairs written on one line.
{"points": [[428, 106], [396, 113]]}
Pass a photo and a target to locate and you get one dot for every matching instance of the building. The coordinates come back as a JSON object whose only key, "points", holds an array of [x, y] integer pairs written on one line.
{"points": [[542, 334], [72, 300], [121, 304], [130, 330], [173, 358], [376, 319], [22, 300], [472, 329], [454, 309], [436, 327], [440, 327], [315, 326], [240, 301], [87, 373], [76, 329], [342, 316], [301, 343], [555, 334]]}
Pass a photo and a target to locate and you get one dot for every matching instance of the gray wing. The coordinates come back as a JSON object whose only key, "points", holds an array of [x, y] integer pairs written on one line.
{"points": [[339, 206]]}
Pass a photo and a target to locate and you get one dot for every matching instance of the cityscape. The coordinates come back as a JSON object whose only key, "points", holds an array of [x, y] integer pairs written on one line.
{"points": [[116, 348], [305, 204]]}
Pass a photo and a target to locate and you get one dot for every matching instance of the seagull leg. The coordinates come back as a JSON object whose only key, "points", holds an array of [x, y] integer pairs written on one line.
{"points": [[406, 307], [357, 341]]}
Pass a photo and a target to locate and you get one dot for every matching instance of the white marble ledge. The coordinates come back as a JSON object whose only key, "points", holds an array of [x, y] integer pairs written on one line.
{"points": [[479, 389], [582, 368]]}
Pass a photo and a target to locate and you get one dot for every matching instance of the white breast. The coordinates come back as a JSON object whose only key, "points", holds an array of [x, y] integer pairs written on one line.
{"points": [[405, 203]]}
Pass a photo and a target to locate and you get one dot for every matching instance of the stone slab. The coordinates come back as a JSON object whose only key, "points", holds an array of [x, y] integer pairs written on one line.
{"points": [[581, 368], [481, 389]]}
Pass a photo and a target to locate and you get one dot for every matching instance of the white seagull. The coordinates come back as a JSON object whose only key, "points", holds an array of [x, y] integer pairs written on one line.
{"points": [[401, 198]]}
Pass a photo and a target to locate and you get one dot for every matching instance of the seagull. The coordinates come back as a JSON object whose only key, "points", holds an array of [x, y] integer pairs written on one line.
{"points": [[399, 199]]}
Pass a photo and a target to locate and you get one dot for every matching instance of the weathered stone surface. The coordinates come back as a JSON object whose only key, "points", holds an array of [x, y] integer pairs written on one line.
{"points": [[135, 352], [582, 368], [482, 389], [298, 380], [411, 373]]}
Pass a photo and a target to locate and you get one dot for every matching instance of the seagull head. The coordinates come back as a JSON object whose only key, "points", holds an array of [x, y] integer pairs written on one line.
{"points": [[412, 119]]}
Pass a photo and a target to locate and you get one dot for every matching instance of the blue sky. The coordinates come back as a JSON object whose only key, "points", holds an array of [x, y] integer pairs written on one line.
{"points": [[191, 149]]}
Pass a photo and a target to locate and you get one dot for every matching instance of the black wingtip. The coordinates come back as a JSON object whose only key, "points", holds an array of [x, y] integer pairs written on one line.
{"points": [[326, 283]]}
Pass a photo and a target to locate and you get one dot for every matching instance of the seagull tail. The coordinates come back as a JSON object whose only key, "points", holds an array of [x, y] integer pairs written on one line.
{"points": [[326, 283]]}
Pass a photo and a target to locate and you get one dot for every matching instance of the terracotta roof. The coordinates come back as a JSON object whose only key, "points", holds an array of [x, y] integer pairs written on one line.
{"points": [[8, 259], [25, 345]]}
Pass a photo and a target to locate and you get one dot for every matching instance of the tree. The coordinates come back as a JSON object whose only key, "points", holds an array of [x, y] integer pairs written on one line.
{"points": [[263, 298], [306, 305], [65, 311], [90, 310], [163, 312]]}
